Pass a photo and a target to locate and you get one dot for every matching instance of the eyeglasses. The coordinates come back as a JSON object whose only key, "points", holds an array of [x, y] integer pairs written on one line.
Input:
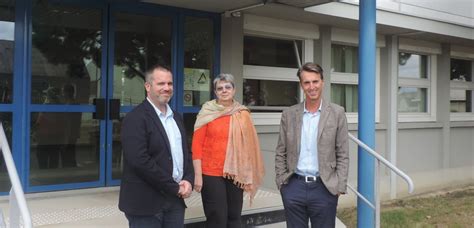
{"points": [[226, 87]]}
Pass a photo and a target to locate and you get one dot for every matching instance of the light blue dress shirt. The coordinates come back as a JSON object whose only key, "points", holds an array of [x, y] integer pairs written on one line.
{"points": [[308, 160], [174, 137]]}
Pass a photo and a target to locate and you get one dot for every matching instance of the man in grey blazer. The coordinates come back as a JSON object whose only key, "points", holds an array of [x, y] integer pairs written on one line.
{"points": [[312, 155]]}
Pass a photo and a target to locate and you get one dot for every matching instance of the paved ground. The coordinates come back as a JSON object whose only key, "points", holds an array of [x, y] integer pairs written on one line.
{"points": [[93, 208], [98, 208]]}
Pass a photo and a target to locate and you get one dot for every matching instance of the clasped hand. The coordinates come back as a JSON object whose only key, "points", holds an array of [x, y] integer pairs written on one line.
{"points": [[185, 189]]}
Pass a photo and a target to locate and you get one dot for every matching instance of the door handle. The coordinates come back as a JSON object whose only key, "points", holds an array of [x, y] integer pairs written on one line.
{"points": [[100, 107], [114, 105]]}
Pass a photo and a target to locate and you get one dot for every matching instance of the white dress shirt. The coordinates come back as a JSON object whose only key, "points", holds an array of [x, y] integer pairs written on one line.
{"points": [[308, 160], [174, 138]]}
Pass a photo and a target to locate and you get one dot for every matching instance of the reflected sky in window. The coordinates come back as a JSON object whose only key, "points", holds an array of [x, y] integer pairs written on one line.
{"points": [[412, 66], [7, 29]]}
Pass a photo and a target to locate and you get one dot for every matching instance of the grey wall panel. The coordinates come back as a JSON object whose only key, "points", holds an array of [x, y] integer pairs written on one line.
{"points": [[268, 142], [420, 150], [269, 162], [462, 147], [232, 51]]}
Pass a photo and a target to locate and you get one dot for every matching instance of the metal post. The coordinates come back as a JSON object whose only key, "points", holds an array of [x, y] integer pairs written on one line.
{"points": [[377, 193], [366, 91]]}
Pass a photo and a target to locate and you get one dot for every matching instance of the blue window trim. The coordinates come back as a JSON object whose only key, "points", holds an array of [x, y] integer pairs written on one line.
{"points": [[69, 186], [20, 94], [7, 108]]}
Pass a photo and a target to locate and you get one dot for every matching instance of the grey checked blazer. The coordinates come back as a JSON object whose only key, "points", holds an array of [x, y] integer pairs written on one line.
{"points": [[333, 146]]}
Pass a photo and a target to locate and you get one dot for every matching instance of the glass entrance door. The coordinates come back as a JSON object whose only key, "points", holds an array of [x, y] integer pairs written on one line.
{"points": [[88, 68], [139, 41], [67, 77]]}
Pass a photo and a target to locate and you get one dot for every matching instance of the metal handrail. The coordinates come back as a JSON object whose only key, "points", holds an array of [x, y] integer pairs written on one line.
{"points": [[400, 173], [17, 191], [379, 158], [361, 196]]}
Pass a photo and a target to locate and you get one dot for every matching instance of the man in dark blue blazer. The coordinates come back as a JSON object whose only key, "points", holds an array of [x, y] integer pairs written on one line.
{"points": [[157, 171]]}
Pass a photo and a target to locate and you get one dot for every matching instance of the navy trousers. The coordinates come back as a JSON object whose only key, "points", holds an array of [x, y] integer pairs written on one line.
{"points": [[304, 201]]}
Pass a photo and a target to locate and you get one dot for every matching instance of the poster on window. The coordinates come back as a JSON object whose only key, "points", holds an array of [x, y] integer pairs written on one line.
{"points": [[196, 79]]}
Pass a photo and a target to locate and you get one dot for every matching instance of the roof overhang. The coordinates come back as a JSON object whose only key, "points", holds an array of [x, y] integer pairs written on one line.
{"points": [[334, 13]]}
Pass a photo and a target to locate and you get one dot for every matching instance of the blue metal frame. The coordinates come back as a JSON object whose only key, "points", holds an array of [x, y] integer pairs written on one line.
{"points": [[143, 9], [31, 108], [21, 108], [109, 39], [177, 64], [366, 163], [26, 92], [179, 57]]}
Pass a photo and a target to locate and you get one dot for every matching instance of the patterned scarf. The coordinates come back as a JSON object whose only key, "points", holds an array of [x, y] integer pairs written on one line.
{"points": [[243, 162]]}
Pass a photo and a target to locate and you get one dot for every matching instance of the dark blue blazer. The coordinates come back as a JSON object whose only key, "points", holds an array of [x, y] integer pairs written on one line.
{"points": [[147, 180]]}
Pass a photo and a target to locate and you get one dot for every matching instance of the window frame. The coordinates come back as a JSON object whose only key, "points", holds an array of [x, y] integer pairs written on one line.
{"points": [[431, 50], [275, 74], [351, 38], [428, 83], [272, 28], [462, 116]]}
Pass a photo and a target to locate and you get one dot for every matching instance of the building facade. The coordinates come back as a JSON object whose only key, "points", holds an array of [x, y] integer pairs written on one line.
{"points": [[71, 70]]}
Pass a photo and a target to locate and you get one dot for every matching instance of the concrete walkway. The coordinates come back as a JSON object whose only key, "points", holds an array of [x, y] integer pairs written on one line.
{"points": [[93, 208]]}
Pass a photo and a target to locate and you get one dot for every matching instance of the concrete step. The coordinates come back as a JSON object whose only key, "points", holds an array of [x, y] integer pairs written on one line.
{"points": [[273, 225], [339, 224], [94, 208]]}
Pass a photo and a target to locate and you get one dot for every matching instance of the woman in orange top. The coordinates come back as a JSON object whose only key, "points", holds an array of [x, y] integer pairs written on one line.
{"points": [[226, 156]]}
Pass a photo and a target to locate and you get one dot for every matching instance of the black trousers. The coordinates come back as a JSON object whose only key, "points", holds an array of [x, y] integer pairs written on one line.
{"points": [[222, 202]]}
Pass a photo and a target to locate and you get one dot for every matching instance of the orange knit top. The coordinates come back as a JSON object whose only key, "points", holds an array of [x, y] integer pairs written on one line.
{"points": [[210, 145]]}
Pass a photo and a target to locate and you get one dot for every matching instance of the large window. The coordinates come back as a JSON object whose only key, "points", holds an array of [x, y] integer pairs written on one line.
{"points": [[261, 51], [344, 76], [66, 56], [417, 80], [270, 66], [198, 60], [344, 58], [65, 53], [414, 83], [462, 85], [136, 49], [199, 65], [6, 121], [256, 93], [345, 95], [7, 28]]}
